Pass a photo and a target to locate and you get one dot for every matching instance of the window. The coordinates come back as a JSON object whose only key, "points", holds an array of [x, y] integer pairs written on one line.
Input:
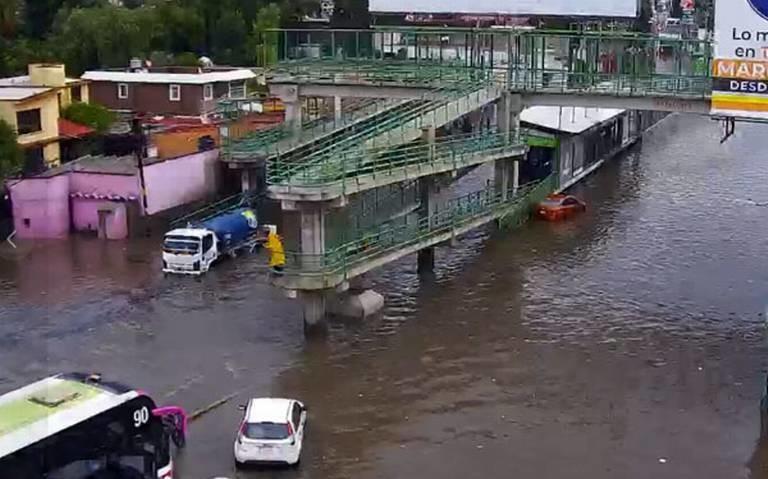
{"points": [[174, 92], [122, 91], [269, 431], [207, 92], [181, 245], [237, 89], [207, 243], [77, 93], [296, 416], [28, 121]]}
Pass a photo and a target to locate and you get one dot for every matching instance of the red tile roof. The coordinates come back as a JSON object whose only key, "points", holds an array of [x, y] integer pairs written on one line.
{"points": [[70, 129]]}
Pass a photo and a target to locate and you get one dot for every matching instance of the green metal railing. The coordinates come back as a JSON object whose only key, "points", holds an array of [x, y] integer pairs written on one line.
{"points": [[636, 63], [350, 166], [368, 245], [284, 137], [330, 158]]}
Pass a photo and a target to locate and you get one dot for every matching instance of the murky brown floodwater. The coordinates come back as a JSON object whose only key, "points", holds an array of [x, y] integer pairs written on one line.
{"points": [[591, 349]]}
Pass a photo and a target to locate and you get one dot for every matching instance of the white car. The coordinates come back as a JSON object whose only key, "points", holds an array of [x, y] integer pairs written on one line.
{"points": [[272, 431]]}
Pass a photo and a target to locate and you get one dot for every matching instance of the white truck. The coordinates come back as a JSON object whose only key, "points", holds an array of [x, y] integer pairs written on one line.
{"points": [[193, 249]]}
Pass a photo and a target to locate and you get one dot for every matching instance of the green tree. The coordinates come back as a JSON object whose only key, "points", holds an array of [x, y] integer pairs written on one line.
{"points": [[8, 18], [89, 114], [183, 29], [104, 36], [263, 44], [186, 59], [209, 11], [229, 38], [11, 158]]}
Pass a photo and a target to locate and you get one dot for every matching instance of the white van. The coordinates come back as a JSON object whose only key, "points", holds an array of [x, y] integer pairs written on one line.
{"points": [[272, 431]]}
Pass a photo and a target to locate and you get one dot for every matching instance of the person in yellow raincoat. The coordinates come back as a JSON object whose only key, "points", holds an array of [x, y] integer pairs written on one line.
{"points": [[276, 251]]}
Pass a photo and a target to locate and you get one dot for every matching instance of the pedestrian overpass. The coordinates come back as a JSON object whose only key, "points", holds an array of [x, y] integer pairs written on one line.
{"points": [[392, 90]]}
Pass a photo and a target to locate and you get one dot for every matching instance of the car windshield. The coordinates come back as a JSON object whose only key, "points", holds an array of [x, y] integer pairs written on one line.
{"points": [[266, 430], [181, 244]]}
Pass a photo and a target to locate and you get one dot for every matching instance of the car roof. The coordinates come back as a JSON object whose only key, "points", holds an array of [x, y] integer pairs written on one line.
{"points": [[269, 410]]}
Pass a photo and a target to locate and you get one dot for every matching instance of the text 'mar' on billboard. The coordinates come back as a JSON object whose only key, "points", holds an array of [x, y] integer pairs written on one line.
{"points": [[740, 69]]}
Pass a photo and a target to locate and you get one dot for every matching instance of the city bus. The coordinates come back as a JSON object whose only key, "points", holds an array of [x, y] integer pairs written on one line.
{"points": [[78, 426]]}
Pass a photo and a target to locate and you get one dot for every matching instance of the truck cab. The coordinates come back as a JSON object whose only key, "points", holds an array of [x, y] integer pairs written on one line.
{"points": [[189, 250]]}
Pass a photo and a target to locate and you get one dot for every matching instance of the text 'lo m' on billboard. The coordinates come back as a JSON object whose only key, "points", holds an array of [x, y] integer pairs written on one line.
{"points": [[600, 8], [740, 67]]}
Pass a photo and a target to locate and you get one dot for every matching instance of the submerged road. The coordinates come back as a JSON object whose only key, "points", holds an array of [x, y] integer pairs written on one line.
{"points": [[627, 343]]}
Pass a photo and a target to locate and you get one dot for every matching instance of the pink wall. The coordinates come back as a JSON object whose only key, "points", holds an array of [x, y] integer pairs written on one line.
{"points": [[44, 202], [85, 217], [85, 212], [181, 180]]}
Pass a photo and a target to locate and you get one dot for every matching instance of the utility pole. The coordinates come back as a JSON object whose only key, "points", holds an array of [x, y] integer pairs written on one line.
{"points": [[140, 151]]}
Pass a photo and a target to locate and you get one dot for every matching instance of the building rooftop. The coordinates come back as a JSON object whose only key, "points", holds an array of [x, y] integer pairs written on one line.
{"points": [[25, 81], [191, 78], [572, 120], [18, 93], [70, 129], [114, 165]]}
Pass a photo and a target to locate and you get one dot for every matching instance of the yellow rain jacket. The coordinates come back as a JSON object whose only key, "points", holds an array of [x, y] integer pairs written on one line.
{"points": [[275, 247]]}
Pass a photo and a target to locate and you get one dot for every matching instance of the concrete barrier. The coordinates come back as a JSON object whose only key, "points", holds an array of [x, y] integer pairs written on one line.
{"points": [[356, 305]]}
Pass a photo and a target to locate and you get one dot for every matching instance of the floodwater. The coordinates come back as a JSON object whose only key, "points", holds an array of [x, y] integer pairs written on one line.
{"points": [[626, 343]]}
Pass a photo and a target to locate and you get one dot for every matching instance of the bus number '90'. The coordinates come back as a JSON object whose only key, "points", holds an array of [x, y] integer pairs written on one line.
{"points": [[140, 417]]}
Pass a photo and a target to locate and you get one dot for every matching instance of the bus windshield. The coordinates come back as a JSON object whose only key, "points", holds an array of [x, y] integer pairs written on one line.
{"points": [[125, 442]]}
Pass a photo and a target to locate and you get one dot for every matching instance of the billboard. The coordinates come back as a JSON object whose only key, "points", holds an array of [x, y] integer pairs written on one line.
{"points": [[740, 66], [598, 8]]}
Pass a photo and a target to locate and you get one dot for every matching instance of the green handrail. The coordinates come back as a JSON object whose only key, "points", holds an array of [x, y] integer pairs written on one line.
{"points": [[376, 242]]}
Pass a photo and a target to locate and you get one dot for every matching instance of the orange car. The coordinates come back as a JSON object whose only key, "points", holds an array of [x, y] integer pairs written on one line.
{"points": [[559, 207]]}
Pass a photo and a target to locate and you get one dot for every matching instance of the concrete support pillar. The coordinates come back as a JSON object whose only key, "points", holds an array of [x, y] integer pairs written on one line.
{"points": [[312, 248], [313, 305], [430, 198], [337, 109], [428, 191], [293, 114], [508, 109], [502, 177], [428, 137], [515, 175], [426, 261], [311, 235], [247, 180]]}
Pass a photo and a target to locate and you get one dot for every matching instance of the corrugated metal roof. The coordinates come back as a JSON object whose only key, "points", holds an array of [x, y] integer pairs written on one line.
{"points": [[181, 78]]}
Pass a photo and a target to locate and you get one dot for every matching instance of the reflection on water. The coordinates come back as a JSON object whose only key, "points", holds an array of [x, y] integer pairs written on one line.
{"points": [[626, 343]]}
